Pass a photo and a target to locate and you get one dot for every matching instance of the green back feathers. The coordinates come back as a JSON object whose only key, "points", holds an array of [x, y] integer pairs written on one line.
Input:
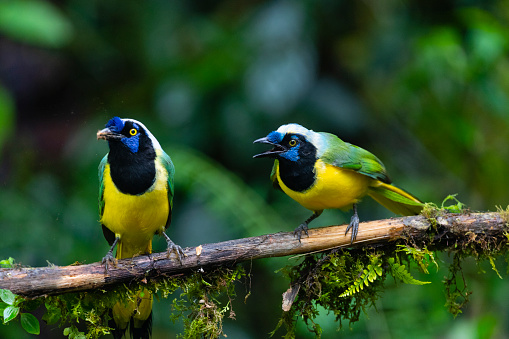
{"points": [[342, 154], [334, 151], [165, 160], [102, 165], [273, 175]]}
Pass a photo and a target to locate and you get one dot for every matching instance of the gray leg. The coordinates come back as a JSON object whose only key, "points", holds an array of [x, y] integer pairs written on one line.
{"points": [[109, 258], [174, 248], [304, 226], [354, 224]]}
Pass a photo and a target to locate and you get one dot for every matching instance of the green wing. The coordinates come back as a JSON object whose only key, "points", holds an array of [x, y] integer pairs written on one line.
{"points": [[168, 165], [342, 154], [273, 175], [102, 165]]}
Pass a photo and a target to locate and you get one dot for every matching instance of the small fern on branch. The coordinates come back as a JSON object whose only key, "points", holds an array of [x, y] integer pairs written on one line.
{"points": [[369, 274], [399, 271]]}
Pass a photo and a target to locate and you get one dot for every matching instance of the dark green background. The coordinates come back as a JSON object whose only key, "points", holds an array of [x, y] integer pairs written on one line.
{"points": [[424, 85]]}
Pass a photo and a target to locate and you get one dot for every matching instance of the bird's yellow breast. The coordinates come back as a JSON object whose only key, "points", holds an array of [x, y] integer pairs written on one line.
{"points": [[135, 218], [334, 187]]}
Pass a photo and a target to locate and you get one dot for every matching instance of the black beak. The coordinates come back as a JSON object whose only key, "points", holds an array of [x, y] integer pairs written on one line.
{"points": [[108, 134], [273, 153]]}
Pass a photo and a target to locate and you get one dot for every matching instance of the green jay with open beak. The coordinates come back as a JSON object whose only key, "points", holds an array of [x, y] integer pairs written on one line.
{"points": [[320, 171]]}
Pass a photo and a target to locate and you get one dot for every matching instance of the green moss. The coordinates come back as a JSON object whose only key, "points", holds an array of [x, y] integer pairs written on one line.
{"points": [[449, 205], [456, 291], [343, 282], [504, 214], [346, 282], [204, 300]]}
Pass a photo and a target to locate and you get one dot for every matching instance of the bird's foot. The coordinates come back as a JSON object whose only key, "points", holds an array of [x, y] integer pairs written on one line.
{"points": [[109, 259], [179, 252], [354, 225], [302, 228], [172, 247]]}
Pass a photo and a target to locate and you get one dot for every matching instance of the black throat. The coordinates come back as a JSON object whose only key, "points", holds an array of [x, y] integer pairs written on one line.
{"points": [[132, 173], [299, 175]]}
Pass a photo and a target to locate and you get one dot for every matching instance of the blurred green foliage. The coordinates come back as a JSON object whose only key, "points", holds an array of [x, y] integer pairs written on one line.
{"points": [[34, 22], [421, 84]]}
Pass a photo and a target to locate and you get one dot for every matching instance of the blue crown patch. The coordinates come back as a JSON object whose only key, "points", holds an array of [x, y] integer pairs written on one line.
{"points": [[115, 124], [275, 137]]}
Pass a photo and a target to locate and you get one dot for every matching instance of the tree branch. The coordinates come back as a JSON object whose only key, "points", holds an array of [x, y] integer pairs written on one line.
{"points": [[440, 233]]}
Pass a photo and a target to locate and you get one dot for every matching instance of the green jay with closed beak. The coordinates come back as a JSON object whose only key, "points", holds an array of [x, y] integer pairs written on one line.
{"points": [[135, 203]]}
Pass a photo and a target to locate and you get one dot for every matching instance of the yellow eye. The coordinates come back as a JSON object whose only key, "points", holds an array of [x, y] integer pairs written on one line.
{"points": [[133, 131], [292, 142]]}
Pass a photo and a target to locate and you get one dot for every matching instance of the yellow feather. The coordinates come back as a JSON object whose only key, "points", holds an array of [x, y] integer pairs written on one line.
{"points": [[337, 187], [411, 207], [334, 187], [135, 218]]}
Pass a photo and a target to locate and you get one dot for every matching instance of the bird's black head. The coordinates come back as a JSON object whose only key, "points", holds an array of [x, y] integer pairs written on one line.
{"points": [[295, 147], [127, 136], [291, 144], [132, 154]]}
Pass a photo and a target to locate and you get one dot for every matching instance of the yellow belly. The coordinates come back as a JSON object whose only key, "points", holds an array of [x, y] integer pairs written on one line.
{"points": [[334, 187], [135, 218]]}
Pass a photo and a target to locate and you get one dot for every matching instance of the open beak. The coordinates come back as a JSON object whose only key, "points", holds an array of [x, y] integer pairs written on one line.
{"points": [[274, 152], [108, 134]]}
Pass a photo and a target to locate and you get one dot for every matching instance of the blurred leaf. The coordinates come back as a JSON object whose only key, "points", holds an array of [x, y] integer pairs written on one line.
{"points": [[35, 22], [73, 333], [52, 314], [6, 113], [10, 313], [440, 54], [3, 306], [30, 323], [7, 296], [486, 326], [7, 263], [487, 38]]}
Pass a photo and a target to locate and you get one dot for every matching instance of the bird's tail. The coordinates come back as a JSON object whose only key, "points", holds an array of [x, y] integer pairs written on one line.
{"points": [[395, 199], [137, 314]]}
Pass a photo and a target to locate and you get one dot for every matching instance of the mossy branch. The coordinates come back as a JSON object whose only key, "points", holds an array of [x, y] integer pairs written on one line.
{"points": [[445, 232]]}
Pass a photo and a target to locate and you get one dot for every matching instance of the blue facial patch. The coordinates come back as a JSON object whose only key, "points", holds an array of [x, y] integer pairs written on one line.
{"points": [[275, 137], [133, 143], [292, 154], [115, 124]]}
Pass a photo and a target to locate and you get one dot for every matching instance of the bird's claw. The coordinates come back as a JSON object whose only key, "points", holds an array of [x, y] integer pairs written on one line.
{"points": [[298, 231], [109, 259], [172, 247], [354, 225]]}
